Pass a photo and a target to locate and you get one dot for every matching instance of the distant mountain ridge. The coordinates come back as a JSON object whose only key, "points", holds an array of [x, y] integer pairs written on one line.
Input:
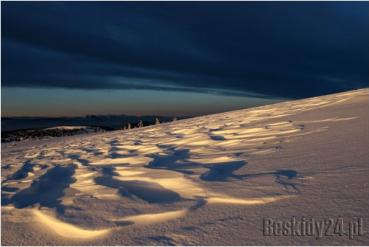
{"points": [[105, 121]]}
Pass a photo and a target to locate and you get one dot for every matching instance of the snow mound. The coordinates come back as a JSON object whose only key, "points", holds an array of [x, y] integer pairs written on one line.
{"points": [[180, 174]]}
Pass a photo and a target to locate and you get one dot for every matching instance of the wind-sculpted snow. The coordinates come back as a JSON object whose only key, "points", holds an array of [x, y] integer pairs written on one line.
{"points": [[87, 187]]}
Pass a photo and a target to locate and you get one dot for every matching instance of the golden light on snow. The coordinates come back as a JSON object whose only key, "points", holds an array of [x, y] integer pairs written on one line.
{"points": [[148, 219], [249, 201], [67, 230], [178, 170]]}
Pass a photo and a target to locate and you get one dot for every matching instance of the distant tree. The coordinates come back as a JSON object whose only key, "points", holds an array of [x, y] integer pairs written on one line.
{"points": [[157, 121], [127, 127], [140, 124]]}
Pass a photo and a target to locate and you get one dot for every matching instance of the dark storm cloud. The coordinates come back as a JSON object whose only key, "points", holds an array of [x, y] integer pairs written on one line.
{"points": [[281, 49]]}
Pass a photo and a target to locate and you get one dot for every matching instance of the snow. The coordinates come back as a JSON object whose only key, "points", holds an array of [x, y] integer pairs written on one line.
{"points": [[208, 180], [67, 127]]}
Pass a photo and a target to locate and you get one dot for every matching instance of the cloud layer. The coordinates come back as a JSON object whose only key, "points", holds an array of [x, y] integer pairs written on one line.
{"points": [[281, 49]]}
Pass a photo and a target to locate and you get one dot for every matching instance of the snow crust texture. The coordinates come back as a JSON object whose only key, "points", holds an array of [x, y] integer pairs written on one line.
{"points": [[93, 189]]}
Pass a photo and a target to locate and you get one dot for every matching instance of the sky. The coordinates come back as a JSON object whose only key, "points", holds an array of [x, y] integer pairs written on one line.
{"points": [[177, 58]]}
